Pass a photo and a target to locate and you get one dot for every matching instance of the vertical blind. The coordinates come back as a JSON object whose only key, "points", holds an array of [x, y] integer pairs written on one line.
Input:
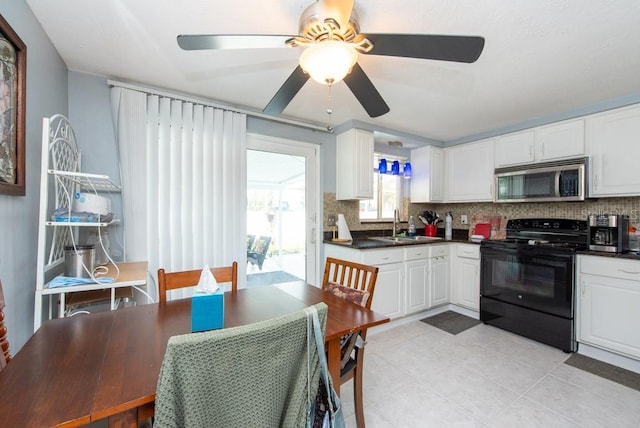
{"points": [[183, 172]]}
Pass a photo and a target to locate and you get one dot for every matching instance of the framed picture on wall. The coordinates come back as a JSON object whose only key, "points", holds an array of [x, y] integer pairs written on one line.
{"points": [[13, 69]]}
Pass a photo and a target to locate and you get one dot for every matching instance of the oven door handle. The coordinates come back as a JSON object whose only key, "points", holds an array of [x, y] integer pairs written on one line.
{"points": [[557, 183], [628, 272]]}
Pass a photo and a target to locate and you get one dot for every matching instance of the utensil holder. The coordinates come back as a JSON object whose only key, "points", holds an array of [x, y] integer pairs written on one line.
{"points": [[430, 229]]}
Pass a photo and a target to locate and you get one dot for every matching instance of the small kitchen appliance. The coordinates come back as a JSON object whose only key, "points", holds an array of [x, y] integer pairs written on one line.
{"points": [[608, 233]]}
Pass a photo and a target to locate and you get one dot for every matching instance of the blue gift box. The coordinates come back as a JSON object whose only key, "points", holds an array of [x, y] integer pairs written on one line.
{"points": [[207, 311]]}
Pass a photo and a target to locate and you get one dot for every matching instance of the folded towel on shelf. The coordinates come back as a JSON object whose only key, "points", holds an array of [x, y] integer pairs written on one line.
{"points": [[67, 281]]}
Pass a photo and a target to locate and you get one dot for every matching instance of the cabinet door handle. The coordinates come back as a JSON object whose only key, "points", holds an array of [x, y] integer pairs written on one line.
{"points": [[583, 287], [629, 272], [384, 258]]}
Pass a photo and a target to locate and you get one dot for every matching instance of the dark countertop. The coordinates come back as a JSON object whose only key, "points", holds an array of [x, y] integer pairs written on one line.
{"points": [[627, 255], [366, 243], [362, 239]]}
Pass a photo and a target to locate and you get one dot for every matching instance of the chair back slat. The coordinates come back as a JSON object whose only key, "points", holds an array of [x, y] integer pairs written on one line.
{"points": [[350, 274], [189, 278]]}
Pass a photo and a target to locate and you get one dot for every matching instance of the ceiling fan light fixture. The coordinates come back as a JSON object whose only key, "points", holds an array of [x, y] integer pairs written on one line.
{"points": [[329, 61]]}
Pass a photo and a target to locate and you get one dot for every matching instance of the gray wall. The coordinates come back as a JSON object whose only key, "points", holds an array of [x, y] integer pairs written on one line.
{"points": [[90, 115], [46, 95]]}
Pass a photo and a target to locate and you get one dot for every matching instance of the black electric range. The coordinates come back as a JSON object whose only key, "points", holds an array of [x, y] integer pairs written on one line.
{"points": [[527, 281]]}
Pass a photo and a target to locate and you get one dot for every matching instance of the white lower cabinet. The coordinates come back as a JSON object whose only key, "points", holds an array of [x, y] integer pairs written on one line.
{"points": [[417, 272], [389, 294], [609, 304], [388, 297], [439, 278], [411, 278], [427, 276], [466, 276]]}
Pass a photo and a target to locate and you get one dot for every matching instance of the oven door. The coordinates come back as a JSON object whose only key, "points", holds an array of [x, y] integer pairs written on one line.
{"points": [[529, 276]]}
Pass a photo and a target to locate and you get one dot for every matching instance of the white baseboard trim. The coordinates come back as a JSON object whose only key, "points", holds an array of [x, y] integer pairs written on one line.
{"points": [[609, 357]]}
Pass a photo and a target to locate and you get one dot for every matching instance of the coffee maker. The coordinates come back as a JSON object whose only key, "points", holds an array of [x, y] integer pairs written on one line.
{"points": [[609, 233]]}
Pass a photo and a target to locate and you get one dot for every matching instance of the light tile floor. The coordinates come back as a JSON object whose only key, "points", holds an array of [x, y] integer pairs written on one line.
{"points": [[417, 375]]}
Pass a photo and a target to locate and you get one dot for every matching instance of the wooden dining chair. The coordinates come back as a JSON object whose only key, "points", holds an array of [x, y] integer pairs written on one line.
{"points": [[255, 375], [189, 278], [5, 355], [355, 282]]}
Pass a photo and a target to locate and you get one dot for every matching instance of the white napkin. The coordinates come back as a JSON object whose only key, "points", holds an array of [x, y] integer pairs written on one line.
{"points": [[343, 229], [207, 283]]}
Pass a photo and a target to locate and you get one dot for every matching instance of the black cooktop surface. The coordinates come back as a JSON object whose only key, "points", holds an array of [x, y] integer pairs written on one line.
{"points": [[549, 233]]}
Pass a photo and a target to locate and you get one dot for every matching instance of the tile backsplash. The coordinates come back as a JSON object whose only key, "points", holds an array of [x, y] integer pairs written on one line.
{"points": [[575, 210]]}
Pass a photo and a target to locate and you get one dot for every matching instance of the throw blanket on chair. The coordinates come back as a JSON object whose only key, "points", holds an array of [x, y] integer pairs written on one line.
{"points": [[248, 376]]}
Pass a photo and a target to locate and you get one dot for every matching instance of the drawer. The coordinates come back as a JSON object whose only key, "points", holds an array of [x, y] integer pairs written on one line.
{"points": [[469, 251], [414, 252], [439, 250], [382, 256], [608, 266]]}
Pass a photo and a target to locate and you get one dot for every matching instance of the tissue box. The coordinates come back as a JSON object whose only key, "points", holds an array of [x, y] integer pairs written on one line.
{"points": [[207, 311]]}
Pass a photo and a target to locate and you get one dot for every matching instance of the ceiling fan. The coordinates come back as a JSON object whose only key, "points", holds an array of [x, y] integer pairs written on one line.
{"points": [[331, 38]]}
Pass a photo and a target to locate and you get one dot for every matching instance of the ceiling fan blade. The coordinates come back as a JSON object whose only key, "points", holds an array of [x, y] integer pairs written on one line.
{"points": [[427, 46], [287, 91], [190, 42], [340, 10], [365, 92]]}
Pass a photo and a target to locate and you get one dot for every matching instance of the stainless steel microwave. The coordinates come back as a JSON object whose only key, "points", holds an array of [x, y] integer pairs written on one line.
{"points": [[542, 182]]}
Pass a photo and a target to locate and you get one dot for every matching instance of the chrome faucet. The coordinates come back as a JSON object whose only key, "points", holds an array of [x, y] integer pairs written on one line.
{"points": [[396, 220]]}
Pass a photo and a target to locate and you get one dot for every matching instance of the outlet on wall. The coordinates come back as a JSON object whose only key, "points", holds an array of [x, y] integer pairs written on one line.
{"points": [[463, 219], [331, 219]]}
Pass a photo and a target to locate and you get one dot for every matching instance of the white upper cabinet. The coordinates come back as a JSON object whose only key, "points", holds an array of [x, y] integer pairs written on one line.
{"points": [[470, 171], [613, 145], [354, 165], [560, 140], [427, 180], [515, 149]]}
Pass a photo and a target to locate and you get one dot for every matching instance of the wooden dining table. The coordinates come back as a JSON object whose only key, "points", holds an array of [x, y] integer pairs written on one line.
{"points": [[76, 370]]}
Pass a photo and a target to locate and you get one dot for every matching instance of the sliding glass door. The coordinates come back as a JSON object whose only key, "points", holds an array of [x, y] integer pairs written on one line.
{"points": [[282, 204]]}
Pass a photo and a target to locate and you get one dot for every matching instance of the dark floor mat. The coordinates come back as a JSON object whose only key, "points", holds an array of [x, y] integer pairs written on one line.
{"points": [[608, 371], [451, 322]]}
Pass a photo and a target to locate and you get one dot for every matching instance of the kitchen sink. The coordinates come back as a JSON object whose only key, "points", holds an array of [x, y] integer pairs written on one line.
{"points": [[422, 238], [405, 239]]}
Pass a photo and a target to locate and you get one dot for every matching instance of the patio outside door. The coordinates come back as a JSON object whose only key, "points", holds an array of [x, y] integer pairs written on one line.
{"points": [[282, 201]]}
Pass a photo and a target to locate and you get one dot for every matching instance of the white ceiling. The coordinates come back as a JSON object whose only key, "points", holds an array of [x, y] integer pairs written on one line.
{"points": [[541, 57]]}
